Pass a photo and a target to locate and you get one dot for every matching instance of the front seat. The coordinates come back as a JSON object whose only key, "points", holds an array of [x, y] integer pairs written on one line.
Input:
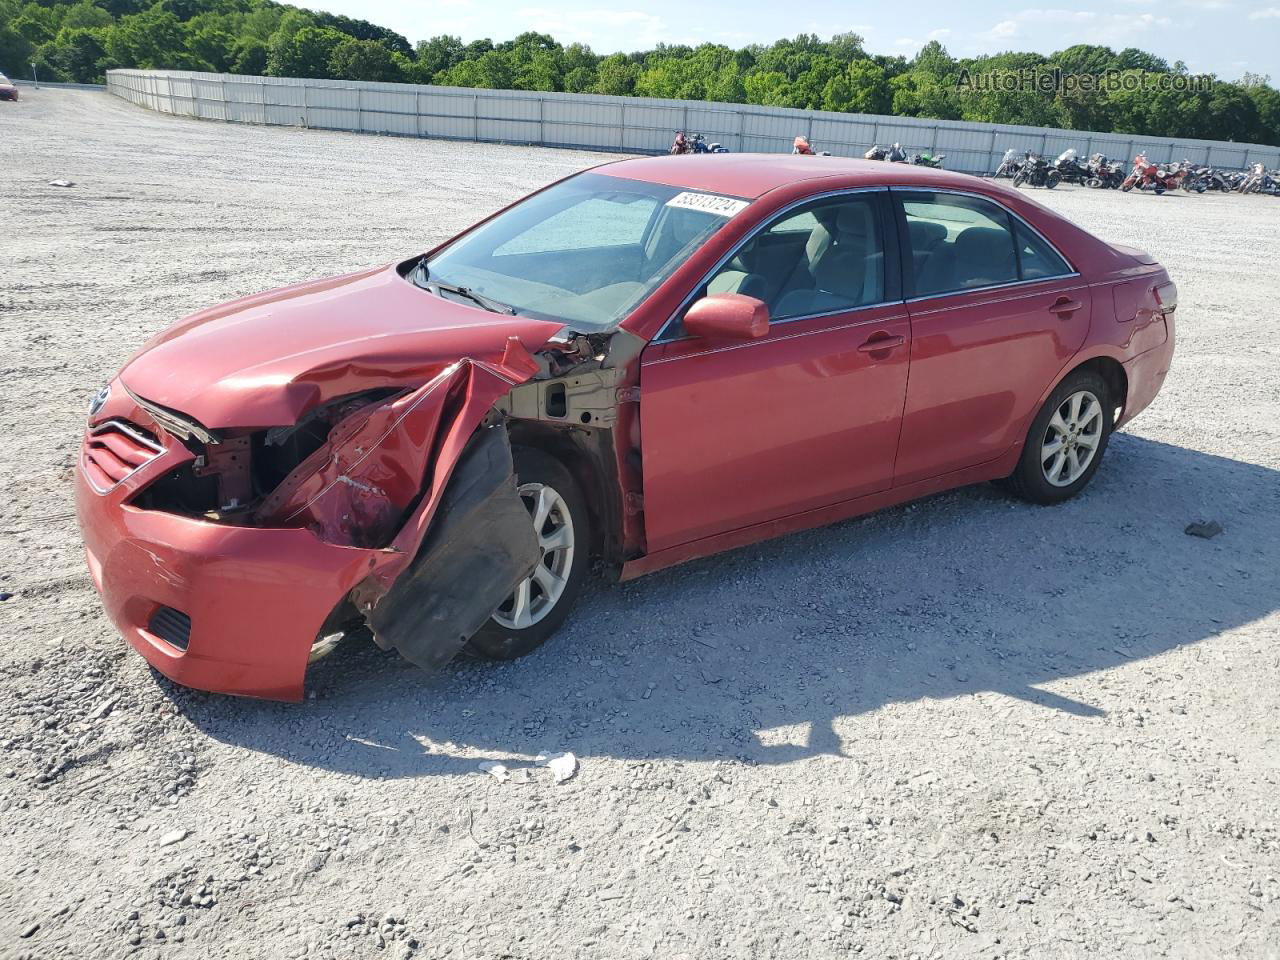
{"points": [[741, 274], [841, 281]]}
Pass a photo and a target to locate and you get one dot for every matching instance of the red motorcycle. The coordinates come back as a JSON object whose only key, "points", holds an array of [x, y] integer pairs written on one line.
{"points": [[1149, 176], [680, 144]]}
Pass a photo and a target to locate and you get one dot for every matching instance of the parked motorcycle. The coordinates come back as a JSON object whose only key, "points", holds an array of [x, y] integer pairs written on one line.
{"points": [[1071, 170], [1146, 175], [1201, 179], [1258, 180], [696, 143], [1104, 174], [928, 160], [893, 154], [1009, 164], [1034, 171]]}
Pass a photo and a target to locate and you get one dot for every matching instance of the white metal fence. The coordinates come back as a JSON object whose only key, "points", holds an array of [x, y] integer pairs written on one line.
{"points": [[625, 124]]}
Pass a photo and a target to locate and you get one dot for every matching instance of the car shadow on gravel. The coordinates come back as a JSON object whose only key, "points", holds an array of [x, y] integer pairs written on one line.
{"points": [[759, 653]]}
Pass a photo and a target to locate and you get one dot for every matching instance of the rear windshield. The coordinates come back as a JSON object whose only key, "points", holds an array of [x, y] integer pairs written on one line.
{"points": [[585, 251]]}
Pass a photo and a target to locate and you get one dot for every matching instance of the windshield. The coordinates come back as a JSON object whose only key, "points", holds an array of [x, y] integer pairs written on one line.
{"points": [[585, 251]]}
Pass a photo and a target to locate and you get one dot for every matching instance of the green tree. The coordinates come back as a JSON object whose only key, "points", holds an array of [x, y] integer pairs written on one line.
{"points": [[438, 53], [769, 88], [249, 57], [305, 53], [616, 76], [354, 59]]}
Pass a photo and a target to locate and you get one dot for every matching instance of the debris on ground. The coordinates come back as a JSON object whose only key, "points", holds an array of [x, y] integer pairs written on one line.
{"points": [[562, 765], [61, 183], [1203, 530]]}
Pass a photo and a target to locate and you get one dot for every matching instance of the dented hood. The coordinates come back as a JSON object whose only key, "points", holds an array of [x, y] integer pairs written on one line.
{"points": [[264, 360]]}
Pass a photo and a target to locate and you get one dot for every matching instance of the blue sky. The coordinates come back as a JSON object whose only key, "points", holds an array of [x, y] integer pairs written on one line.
{"points": [[1226, 37]]}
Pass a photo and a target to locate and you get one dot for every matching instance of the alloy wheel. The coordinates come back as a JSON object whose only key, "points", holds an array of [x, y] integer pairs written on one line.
{"points": [[1071, 440], [537, 595]]}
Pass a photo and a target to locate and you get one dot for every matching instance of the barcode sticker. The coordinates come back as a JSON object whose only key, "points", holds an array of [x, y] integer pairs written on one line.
{"points": [[708, 203]]}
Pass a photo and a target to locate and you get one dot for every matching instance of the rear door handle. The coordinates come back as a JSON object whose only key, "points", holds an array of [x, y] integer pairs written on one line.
{"points": [[1065, 307], [880, 343]]}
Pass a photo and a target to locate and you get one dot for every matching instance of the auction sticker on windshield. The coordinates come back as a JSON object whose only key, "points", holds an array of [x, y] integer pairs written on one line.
{"points": [[708, 203]]}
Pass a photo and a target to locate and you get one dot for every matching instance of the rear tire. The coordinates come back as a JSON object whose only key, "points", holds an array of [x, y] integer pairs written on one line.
{"points": [[526, 619], [1052, 179], [1066, 442]]}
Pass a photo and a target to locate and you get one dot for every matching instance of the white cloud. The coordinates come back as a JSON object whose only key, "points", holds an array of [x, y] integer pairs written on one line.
{"points": [[598, 27], [1266, 13], [1005, 28], [939, 33]]}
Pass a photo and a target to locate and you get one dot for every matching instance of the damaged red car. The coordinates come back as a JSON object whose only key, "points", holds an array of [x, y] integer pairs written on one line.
{"points": [[647, 362]]}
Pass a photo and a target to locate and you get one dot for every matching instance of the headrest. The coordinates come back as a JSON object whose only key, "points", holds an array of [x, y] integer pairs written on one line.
{"points": [[854, 218], [984, 244], [925, 234]]}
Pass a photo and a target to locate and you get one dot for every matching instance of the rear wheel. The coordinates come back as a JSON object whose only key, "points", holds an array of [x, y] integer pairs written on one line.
{"points": [[1066, 442], [1052, 179], [525, 620]]}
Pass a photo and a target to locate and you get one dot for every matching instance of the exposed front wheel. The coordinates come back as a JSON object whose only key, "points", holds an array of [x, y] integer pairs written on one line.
{"points": [[1066, 442], [525, 620]]}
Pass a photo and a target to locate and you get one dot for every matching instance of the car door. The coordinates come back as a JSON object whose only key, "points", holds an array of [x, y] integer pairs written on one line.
{"points": [[741, 432], [996, 313]]}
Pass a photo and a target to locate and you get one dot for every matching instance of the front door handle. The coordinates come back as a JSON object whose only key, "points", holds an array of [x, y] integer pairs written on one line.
{"points": [[881, 342], [1064, 307]]}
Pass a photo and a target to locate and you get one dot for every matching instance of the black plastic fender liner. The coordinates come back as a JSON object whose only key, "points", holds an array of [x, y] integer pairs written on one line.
{"points": [[480, 546]]}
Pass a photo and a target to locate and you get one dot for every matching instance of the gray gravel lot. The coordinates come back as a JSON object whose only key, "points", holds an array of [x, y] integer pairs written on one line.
{"points": [[963, 728]]}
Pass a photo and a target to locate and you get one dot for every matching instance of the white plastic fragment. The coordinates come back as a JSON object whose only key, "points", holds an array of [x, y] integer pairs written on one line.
{"points": [[562, 765]]}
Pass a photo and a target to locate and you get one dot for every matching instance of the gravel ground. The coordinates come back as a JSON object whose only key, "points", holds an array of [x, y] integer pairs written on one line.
{"points": [[963, 728]]}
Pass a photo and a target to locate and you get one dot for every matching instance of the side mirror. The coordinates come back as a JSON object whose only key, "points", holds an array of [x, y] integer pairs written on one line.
{"points": [[731, 316]]}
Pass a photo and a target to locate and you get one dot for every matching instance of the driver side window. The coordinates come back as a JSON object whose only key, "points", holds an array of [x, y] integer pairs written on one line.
{"points": [[823, 257]]}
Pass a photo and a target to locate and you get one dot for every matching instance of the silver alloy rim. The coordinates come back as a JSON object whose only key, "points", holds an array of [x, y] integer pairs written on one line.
{"points": [[538, 595], [1071, 440]]}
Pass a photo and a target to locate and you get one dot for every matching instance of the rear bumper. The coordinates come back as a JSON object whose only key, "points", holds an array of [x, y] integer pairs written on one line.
{"points": [[1146, 374], [256, 598]]}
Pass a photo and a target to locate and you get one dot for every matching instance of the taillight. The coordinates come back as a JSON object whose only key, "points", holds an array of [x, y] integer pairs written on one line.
{"points": [[1167, 297]]}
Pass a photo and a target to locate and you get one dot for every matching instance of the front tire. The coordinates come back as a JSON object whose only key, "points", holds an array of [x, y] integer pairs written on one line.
{"points": [[1065, 444], [526, 619]]}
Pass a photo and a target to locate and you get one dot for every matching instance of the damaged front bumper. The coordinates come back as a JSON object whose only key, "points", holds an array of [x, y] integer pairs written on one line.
{"points": [[219, 608], [236, 608]]}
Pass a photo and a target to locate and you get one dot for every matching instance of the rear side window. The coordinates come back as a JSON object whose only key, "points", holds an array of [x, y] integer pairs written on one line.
{"points": [[960, 243], [1036, 258]]}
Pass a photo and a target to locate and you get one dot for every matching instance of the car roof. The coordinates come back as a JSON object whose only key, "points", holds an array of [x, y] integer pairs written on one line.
{"points": [[751, 175]]}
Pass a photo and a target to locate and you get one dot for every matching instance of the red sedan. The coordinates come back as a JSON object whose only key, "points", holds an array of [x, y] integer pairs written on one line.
{"points": [[8, 91], [651, 361]]}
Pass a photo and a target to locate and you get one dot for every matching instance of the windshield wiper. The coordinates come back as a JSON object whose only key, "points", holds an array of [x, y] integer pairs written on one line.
{"points": [[422, 279]]}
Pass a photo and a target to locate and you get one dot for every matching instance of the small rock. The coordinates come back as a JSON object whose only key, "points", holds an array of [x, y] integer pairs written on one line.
{"points": [[1205, 530], [61, 183], [172, 837], [28, 930]]}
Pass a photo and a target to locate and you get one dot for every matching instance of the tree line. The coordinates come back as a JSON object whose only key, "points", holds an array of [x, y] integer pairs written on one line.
{"points": [[79, 41]]}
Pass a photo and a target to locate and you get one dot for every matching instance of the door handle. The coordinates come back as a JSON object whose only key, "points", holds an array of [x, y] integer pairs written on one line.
{"points": [[880, 343], [1065, 307]]}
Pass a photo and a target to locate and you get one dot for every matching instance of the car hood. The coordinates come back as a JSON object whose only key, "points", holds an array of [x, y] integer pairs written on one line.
{"points": [[264, 360]]}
